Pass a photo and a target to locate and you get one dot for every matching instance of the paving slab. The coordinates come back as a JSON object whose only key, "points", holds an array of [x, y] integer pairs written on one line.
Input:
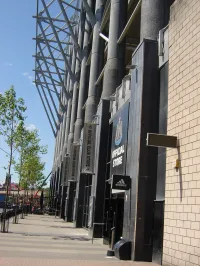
{"points": [[46, 240]]}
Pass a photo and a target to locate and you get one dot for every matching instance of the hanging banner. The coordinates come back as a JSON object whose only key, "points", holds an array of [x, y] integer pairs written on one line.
{"points": [[73, 168], [66, 170], [119, 141], [88, 148]]}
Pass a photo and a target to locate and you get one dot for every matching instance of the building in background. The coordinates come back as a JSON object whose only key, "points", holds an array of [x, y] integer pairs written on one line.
{"points": [[109, 74]]}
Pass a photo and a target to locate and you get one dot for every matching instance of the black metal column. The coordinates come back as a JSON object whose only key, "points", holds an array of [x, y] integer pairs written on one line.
{"points": [[62, 205], [70, 201], [142, 160]]}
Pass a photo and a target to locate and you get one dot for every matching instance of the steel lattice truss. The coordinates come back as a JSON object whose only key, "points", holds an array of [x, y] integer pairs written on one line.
{"points": [[56, 32]]}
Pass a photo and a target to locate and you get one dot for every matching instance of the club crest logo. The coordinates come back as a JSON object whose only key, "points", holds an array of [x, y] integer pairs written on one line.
{"points": [[118, 134]]}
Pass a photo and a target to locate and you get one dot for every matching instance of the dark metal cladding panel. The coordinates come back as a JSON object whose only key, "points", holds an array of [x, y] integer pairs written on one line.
{"points": [[98, 182], [132, 167], [142, 160]]}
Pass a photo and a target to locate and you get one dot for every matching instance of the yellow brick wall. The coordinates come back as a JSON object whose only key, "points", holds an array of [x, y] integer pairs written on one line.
{"points": [[182, 209]]}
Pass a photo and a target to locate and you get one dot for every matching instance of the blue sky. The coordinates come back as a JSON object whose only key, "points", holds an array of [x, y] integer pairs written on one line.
{"points": [[17, 29]]}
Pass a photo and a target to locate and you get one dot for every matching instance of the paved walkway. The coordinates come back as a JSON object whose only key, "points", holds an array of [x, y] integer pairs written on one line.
{"points": [[45, 240]]}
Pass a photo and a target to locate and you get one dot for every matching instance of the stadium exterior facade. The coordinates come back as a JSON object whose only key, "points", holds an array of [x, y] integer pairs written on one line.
{"points": [[127, 71]]}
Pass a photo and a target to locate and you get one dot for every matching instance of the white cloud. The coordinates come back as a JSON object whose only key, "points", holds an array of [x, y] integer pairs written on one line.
{"points": [[31, 127], [8, 64], [30, 78], [25, 74]]}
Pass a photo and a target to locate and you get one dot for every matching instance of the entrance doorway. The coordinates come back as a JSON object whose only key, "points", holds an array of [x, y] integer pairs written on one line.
{"points": [[87, 194], [113, 218]]}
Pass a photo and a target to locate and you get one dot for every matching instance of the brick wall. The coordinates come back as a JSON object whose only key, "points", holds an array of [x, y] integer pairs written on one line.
{"points": [[182, 209]]}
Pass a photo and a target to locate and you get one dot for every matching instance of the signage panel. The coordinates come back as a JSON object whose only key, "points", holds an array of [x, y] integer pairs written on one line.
{"points": [[121, 182], [119, 141], [159, 140], [88, 148], [74, 162]]}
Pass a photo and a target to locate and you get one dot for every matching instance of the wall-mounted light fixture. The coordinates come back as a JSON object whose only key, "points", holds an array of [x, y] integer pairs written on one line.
{"points": [[177, 165]]}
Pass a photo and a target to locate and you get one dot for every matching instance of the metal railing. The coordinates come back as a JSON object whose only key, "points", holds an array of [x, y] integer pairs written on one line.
{"points": [[5, 219]]}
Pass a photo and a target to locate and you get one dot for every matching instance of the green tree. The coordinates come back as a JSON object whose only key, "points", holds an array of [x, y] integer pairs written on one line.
{"points": [[29, 167], [11, 114], [32, 172]]}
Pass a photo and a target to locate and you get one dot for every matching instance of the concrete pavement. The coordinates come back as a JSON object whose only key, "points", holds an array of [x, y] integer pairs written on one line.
{"points": [[49, 241]]}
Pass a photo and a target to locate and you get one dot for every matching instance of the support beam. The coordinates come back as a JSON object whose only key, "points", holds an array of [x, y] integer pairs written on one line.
{"points": [[68, 4], [48, 25], [73, 89], [54, 38], [75, 40], [47, 18], [47, 68], [89, 12], [44, 86], [93, 95], [54, 133], [54, 61], [49, 4], [55, 108], [47, 101], [104, 37], [60, 46], [83, 80], [45, 71], [45, 83], [39, 39], [47, 57], [52, 79], [100, 77]]}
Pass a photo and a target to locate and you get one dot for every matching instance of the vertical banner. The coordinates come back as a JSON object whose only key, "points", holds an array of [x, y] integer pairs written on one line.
{"points": [[66, 170], [88, 148], [119, 141], [73, 168]]}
